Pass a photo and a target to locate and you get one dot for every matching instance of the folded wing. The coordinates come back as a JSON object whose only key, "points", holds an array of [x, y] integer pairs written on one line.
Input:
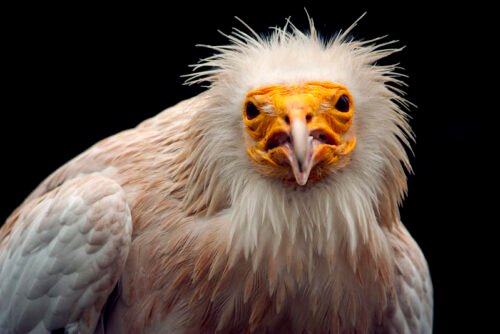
{"points": [[61, 255]]}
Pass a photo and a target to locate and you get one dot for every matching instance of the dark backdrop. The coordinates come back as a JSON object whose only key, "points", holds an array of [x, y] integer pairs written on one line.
{"points": [[72, 76]]}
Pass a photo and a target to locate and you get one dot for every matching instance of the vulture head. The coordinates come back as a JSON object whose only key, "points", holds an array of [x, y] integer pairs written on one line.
{"points": [[303, 137]]}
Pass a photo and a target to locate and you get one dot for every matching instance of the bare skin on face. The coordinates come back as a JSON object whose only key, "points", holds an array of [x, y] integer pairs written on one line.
{"points": [[299, 132]]}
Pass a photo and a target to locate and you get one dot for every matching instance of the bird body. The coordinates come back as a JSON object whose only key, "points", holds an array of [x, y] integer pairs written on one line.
{"points": [[197, 220]]}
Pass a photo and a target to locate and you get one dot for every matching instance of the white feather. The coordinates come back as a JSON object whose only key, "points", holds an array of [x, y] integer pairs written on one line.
{"points": [[352, 195], [63, 257]]}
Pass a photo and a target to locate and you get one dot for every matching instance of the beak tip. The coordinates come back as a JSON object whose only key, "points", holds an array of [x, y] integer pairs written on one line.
{"points": [[301, 178]]}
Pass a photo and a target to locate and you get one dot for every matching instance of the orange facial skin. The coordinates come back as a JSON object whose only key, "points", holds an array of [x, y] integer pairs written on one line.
{"points": [[299, 132]]}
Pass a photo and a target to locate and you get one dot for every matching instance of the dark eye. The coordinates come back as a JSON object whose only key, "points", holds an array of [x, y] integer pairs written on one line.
{"points": [[251, 111], [342, 104]]}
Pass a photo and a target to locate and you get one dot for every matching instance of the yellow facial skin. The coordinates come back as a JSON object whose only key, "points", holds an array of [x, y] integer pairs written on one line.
{"points": [[299, 132]]}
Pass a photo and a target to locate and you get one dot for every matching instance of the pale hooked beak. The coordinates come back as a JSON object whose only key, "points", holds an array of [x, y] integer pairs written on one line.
{"points": [[301, 157]]}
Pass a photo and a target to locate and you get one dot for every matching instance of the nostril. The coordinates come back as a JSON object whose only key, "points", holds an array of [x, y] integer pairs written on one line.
{"points": [[308, 118], [287, 120]]}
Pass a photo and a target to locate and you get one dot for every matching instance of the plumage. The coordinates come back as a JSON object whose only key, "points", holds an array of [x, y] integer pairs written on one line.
{"points": [[216, 240]]}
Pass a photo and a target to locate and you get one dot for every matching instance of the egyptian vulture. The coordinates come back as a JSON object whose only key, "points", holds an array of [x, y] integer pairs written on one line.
{"points": [[269, 203]]}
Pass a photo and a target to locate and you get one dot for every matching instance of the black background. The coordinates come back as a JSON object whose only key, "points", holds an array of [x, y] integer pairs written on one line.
{"points": [[72, 76]]}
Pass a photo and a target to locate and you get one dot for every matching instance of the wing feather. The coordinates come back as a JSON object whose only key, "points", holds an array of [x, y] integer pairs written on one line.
{"points": [[61, 255], [411, 307]]}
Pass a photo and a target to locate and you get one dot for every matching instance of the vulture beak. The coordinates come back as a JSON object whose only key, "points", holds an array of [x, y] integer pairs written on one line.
{"points": [[301, 153]]}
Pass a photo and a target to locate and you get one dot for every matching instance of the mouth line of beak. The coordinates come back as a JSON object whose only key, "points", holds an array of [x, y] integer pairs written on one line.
{"points": [[277, 139], [281, 138]]}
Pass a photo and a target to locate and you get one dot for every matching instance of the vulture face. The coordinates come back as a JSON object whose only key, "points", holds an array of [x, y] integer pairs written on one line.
{"points": [[299, 132]]}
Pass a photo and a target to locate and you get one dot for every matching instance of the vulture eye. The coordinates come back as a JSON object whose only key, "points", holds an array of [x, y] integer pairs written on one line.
{"points": [[342, 104], [251, 111]]}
